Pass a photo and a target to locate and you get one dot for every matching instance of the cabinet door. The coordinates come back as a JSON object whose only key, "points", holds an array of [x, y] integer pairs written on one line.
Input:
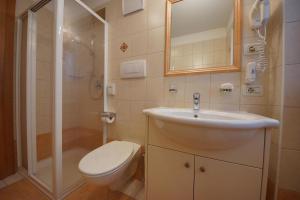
{"points": [[170, 174], [215, 180]]}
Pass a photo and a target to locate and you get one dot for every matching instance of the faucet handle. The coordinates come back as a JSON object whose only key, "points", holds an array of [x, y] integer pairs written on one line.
{"points": [[196, 95]]}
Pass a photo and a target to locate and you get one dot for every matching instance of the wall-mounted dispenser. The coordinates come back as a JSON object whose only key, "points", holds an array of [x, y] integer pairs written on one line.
{"points": [[250, 75]]}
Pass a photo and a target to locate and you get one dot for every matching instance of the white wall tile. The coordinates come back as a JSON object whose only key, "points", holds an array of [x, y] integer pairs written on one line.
{"points": [[156, 64], [137, 89], [291, 85], [174, 99], [139, 43], [201, 84], [156, 14], [289, 170], [292, 43], [257, 109], [225, 107], [156, 38], [155, 89], [291, 128], [292, 8]]}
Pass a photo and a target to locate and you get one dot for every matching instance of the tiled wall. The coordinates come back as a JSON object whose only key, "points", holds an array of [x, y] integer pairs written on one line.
{"points": [[81, 70], [284, 48], [44, 74], [200, 54], [289, 173], [143, 31]]}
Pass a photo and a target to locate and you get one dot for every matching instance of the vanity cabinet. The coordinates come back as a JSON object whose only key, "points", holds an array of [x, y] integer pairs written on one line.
{"points": [[216, 179], [176, 176], [176, 170], [170, 174]]}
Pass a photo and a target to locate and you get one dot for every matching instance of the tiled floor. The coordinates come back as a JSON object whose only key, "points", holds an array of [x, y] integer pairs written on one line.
{"points": [[25, 190], [284, 194], [21, 190], [16, 187], [10, 180], [92, 192], [134, 188]]}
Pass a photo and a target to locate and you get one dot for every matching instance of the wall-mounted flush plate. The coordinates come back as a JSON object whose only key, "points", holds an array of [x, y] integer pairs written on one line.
{"points": [[133, 69], [253, 90]]}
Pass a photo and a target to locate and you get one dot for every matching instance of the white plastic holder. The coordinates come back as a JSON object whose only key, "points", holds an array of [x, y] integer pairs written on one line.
{"points": [[111, 89], [108, 117], [226, 88]]}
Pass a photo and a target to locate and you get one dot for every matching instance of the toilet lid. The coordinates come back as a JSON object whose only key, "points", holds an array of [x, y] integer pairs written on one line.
{"points": [[106, 158]]}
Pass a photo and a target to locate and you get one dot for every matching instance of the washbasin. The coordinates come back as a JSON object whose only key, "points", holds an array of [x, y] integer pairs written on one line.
{"points": [[211, 118], [208, 129]]}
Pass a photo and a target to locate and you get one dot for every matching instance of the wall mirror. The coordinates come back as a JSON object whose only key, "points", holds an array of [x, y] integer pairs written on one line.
{"points": [[202, 36]]}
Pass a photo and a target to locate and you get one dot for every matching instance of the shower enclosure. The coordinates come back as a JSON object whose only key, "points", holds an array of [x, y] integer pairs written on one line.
{"points": [[60, 79]]}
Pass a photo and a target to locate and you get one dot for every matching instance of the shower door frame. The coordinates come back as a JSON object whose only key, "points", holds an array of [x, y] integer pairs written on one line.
{"points": [[30, 96], [57, 189], [58, 82]]}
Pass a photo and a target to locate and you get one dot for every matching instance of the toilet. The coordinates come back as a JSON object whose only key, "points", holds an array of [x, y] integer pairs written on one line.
{"points": [[113, 162]]}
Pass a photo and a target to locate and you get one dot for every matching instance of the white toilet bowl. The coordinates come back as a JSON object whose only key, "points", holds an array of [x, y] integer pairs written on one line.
{"points": [[110, 163]]}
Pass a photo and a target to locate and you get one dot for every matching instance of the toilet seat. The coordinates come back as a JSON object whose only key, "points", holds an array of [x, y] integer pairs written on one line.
{"points": [[106, 159]]}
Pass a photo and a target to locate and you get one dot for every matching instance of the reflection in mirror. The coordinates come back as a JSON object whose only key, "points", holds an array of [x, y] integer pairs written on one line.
{"points": [[201, 35]]}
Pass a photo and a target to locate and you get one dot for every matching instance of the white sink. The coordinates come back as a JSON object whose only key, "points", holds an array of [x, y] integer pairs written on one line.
{"points": [[213, 119], [207, 129]]}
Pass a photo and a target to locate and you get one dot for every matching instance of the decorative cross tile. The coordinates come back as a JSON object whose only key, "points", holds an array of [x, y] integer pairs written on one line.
{"points": [[124, 47]]}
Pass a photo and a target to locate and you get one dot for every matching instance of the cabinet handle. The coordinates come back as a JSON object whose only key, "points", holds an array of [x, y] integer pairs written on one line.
{"points": [[186, 165], [202, 169]]}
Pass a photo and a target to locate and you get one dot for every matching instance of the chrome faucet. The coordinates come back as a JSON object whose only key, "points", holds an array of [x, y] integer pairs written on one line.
{"points": [[196, 100]]}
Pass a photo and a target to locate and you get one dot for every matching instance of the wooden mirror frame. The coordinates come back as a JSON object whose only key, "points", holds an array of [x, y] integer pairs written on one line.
{"points": [[236, 51]]}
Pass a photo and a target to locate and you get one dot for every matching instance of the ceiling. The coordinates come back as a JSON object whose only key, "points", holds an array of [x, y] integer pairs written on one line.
{"points": [[193, 16]]}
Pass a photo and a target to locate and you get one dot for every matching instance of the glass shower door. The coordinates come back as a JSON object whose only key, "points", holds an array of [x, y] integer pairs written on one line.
{"points": [[61, 71], [38, 70], [82, 88]]}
